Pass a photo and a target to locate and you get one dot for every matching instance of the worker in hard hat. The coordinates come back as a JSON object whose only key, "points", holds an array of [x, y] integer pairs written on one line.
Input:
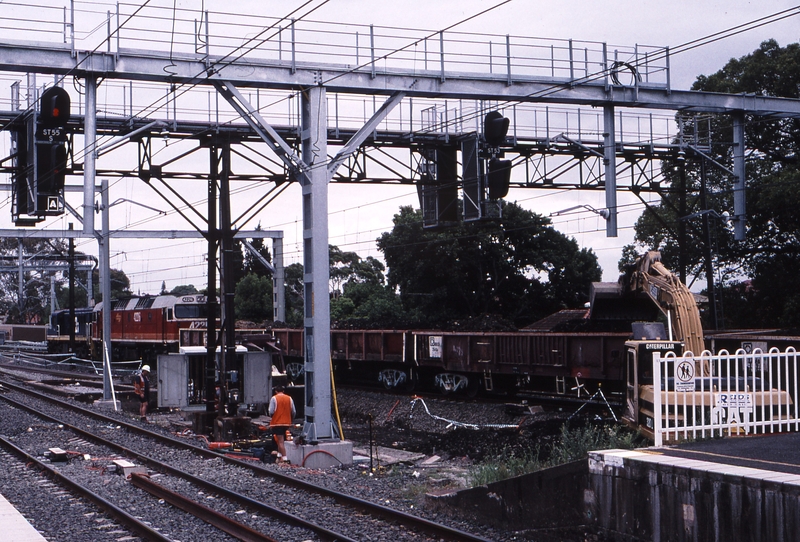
{"points": [[281, 408], [142, 388]]}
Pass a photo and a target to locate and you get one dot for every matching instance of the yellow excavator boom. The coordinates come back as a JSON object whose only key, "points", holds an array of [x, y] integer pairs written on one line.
{"points": [[672, 297]]}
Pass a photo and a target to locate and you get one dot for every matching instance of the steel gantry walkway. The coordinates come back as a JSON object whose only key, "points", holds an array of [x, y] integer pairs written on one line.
{"points": [[297, 100]]}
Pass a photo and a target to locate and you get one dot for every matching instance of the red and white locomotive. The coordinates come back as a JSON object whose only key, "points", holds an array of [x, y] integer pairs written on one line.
{"points": [[142, 327]]}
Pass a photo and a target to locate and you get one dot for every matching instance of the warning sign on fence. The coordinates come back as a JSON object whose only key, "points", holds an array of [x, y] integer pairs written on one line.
{"points": [[684, 376]]}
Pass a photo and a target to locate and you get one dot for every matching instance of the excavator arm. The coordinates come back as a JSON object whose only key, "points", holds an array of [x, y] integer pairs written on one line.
{"points": [[671, 296]]}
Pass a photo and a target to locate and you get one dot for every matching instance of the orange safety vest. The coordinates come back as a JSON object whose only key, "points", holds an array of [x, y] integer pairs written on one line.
{"points": [[283, 411]]}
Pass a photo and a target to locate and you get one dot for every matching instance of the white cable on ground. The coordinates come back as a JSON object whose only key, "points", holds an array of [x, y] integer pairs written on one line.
{"points": [[453, 423]]}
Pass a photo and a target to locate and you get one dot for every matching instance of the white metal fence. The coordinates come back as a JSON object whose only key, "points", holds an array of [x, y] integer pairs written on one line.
{"points": [[714, 395]]}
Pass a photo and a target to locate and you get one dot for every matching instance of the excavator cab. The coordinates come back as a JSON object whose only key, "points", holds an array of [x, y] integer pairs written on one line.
{"points": [[645, 290], [648, 339]]}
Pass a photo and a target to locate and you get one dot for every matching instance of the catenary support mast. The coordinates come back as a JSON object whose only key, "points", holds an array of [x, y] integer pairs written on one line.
{"points": [[316, 317]]}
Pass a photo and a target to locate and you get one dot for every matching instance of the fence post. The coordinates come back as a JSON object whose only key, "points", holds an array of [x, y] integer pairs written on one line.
{"points": [[118, 32], [656, 398], [294, 58], [372, 51], [508, 60], [441, 54], [571, 65], [605, 67], [72, 28]]}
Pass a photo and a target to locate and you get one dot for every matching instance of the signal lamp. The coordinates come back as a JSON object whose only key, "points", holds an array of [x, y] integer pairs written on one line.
{"points": [[499, 178], [495, 128], [55, 104]]}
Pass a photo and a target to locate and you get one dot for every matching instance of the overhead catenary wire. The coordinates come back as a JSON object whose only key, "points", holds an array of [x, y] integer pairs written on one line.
{"points": [[141, 7], [451, 26], [607, 71], [720, 38], [677, 49], [151, 108]]}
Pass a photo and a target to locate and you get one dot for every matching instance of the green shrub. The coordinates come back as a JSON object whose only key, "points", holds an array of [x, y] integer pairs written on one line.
{"points": [[507, 465], [573, 443]]}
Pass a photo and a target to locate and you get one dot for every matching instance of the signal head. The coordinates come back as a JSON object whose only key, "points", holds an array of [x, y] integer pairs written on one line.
{"points": [[495, 128], [55, 104], [499, 178]]}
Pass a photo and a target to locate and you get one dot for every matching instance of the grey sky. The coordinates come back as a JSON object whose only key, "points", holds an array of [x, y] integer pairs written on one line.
{"points": [[358, 216]]}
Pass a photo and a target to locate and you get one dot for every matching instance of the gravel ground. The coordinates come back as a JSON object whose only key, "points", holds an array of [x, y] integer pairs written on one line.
{"points": [[471, 431], [460, 433]]}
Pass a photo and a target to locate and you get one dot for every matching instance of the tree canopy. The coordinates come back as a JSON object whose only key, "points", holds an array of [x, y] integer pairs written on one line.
{"points": [[518, 268], [756, 273], [253, 298], [360, 296], [183, 289], [28, 298]]}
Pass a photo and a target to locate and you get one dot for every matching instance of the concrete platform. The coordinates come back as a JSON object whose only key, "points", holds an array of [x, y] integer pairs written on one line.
{"points": [[733, 490], [664, 494], [320, 456], [14, 526], [779, 452]]}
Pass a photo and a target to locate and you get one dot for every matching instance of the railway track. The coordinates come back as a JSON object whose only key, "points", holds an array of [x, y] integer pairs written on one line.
{"points": [[62, 484], [68, 509], [573, 398], [253, 492]]}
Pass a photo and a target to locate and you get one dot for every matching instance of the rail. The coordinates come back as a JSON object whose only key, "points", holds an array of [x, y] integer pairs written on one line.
{"points": [[366, 507], [744, 393], [132, 522]]}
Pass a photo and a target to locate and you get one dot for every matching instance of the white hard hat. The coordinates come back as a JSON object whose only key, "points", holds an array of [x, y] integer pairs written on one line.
{"points": [[146, 368]]}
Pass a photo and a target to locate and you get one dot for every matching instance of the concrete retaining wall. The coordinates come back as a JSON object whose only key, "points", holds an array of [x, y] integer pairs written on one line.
{"points": [[654, 497], [551, 498]]}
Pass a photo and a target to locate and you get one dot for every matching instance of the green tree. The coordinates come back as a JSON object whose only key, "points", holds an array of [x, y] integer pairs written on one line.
{"points": [[294, 287], [253, 298], [120, 285], [342, 308], [518, 267], [757, 271], [348, 268], [251, 264], [31, 303], [376, 306], [183, 289], [360, 297]]}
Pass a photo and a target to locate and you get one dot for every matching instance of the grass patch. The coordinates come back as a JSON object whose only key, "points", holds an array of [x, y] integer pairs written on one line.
{"points": [[414, 492], [573, 443], [507, 465]]}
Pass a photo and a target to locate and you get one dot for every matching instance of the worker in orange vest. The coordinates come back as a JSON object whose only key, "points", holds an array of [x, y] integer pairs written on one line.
{"points": [[141, 386], [281, 408]]}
